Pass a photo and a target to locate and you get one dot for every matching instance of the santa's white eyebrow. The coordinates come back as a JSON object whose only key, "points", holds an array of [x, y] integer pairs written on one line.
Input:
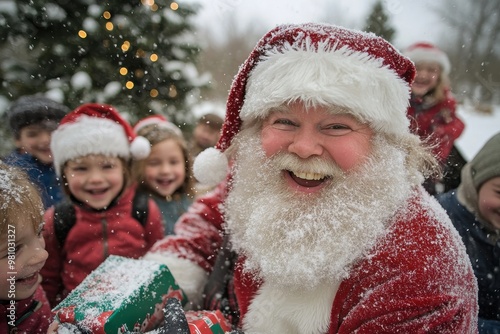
{"points": [[281, 109]]}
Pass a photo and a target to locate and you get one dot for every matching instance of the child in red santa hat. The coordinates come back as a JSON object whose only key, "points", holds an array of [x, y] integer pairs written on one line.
{"points": [[432, 110], [92, 149], [165, 175]]}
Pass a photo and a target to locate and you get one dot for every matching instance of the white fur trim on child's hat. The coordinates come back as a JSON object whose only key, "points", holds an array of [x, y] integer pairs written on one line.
{"points": [[94, 129], [158, 120], [427, 52]]}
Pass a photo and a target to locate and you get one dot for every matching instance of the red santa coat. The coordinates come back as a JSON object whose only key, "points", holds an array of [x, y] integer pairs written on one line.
{"points": [[94, 237], [417, 279], [436, 121]]}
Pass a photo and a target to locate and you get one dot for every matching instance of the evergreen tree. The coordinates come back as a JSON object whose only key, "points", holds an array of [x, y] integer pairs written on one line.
{"points": [[136, 55], [378, 22]]}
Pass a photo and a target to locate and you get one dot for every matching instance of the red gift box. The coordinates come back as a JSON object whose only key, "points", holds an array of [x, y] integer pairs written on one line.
{"points": [[207, 322]]}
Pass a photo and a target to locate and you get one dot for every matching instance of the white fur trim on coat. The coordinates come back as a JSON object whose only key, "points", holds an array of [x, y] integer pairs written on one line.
{"points": [[188, 275], [354, 80], [298, 311]]}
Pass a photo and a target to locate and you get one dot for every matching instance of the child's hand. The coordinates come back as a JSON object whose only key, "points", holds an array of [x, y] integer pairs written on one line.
{"points": [[65, 328], [53, 327]]}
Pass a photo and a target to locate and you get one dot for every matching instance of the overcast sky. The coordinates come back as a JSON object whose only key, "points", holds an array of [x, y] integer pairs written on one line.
{"points": [[413, 20]]}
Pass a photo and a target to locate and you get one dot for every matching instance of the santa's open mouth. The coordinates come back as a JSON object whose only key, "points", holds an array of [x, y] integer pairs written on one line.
{"points": [[308, 179]]}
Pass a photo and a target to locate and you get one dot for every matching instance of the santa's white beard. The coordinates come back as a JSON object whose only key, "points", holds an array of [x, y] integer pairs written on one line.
{"points": [[294, 239]]}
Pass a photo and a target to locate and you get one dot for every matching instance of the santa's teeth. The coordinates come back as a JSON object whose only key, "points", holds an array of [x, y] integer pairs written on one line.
{"points": [[309, 176]]}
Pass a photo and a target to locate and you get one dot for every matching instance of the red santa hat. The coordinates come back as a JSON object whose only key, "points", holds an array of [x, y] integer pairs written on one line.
{"points": [[160, 121], [95, 129], [315, 63], [427, 52]]}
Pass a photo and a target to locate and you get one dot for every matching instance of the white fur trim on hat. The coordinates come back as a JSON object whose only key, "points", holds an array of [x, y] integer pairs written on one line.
{"points": [[431, 55], [88, 135], [350, 79], [159, 122], [210, 166]]}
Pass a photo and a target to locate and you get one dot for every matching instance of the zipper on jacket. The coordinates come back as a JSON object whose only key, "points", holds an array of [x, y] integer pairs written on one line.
{"points": [[105, 237]]}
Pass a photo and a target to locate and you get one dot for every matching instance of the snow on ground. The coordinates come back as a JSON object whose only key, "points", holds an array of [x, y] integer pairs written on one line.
{"points": [[479, 127]]}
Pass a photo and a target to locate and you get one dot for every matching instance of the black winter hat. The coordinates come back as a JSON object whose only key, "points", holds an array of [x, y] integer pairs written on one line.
{"points": [[34, 109]]}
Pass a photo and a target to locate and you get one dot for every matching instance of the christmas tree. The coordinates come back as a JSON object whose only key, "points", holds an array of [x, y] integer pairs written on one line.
{"points": [[139, 56], [378, 22]]}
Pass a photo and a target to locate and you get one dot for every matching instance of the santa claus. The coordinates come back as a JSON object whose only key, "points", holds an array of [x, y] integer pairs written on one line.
{"points": [[323, 203]]}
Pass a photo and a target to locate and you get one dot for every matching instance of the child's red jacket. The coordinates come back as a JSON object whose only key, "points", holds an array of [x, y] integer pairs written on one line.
{"points": [[94, 237]]}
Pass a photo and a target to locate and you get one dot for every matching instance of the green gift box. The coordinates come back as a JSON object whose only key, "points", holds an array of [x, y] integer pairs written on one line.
{"points": [[121, 293]]}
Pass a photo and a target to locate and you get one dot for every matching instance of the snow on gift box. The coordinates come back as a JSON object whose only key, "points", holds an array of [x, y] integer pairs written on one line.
{"points": [[120, 293]]}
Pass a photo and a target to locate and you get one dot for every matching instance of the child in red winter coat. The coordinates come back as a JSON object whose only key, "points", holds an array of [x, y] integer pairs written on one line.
{"points": [[92, 148], [432, 106], [23, 305]]}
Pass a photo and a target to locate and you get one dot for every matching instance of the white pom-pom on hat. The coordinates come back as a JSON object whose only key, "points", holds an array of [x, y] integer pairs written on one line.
{"points": [[140, 148], [210, 166]]}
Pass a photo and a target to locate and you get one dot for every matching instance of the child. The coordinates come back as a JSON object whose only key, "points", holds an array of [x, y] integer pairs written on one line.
{"points": [[206, 133], [23, 305], [32, 120], [432, 107], [92, 148], [166, 174], [474, 209]]}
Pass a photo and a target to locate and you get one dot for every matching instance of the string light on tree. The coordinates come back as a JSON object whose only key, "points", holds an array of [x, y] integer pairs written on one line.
{"points": [[172, 91], [140, 53], [124, 40], [139, 73], [125, 46]]}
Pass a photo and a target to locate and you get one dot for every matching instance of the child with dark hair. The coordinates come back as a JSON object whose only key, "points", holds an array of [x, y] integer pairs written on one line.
{"points": [[23, 305], [206, 133], [32, 119], [165, 175]]}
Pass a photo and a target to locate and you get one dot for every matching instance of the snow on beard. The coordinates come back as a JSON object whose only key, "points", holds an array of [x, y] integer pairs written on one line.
{"points": [[293, 239]]}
